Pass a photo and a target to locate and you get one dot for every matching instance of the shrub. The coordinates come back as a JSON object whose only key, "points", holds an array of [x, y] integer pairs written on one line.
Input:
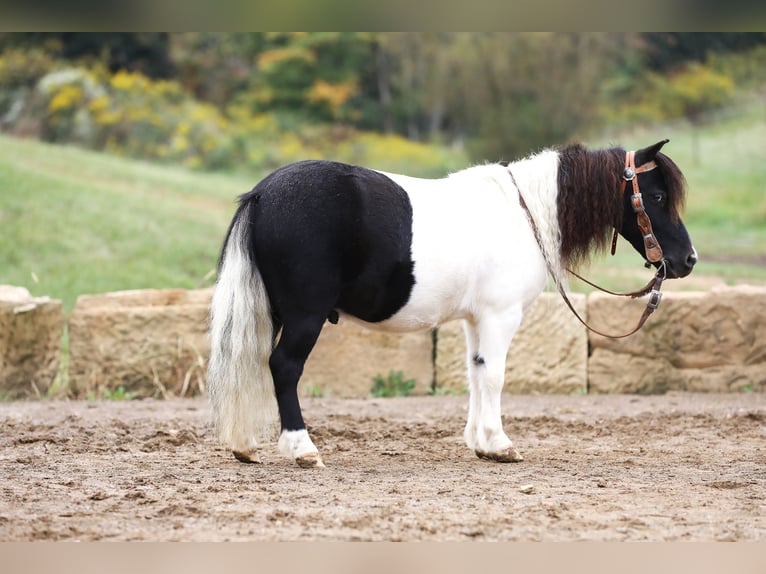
{"points": [[392, 386], [128, 114]]}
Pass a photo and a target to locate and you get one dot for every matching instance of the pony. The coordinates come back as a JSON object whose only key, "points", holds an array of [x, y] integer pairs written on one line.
{"points": [[317, 239]]}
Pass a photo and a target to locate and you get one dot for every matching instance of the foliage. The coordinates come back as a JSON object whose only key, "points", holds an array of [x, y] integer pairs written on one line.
{"points": [[314, 391], [691, 92], [127, 113], [394, 385], [145, 52], [225, 100], [673, 50], [746, 70]]}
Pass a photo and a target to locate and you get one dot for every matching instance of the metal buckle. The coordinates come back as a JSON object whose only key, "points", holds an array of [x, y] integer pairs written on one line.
{"points": [[637, 201], [655, 297], [629, 174]]}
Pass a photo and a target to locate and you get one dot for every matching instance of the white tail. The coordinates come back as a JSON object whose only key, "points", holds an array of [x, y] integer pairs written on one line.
{"points": [[239, 381]]}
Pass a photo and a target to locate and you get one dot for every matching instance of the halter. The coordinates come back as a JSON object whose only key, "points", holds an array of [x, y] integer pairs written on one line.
{"points": [[651, 247]]}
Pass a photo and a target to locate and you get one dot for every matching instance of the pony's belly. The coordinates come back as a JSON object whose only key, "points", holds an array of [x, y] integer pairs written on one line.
{"points": [[407, 320]]}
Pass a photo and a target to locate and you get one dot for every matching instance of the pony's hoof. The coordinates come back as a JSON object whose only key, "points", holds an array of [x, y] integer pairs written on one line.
{"points": [[310, 460], [508, 455], [248, 456]]}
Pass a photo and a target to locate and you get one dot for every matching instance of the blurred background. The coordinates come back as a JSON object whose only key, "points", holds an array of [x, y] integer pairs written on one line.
{"points": [[121, 155]]}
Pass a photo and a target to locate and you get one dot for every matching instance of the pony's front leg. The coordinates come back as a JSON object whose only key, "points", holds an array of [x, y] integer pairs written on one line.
{"points": [[487, 343]]}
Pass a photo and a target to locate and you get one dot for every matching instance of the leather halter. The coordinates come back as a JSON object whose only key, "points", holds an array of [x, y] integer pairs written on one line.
{"points": [[651, 247]]}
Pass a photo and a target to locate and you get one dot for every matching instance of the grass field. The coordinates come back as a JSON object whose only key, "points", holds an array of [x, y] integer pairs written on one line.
{"points": [[74, 221]]}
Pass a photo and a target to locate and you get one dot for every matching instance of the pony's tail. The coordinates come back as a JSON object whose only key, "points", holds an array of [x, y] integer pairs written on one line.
{"points": [[239, 381]]}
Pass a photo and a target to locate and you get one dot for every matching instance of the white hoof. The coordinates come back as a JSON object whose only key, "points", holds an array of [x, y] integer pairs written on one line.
{"points": [[298, 446]]}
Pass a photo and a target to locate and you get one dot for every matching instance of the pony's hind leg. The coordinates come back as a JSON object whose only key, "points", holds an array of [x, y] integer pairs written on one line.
{"points": [[296, 342], [487, 344]]}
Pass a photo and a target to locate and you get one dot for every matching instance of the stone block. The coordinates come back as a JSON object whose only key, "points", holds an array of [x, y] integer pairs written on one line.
{"points": [[695, 341], [348, 356], [151, 342], [30, 343]]}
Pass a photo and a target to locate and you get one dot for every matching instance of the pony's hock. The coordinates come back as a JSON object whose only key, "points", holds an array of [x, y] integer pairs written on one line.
{"points": [[319, 239]]}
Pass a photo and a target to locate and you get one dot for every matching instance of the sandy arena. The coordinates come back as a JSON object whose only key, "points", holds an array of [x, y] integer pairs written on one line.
{"points": [[672, 467]]}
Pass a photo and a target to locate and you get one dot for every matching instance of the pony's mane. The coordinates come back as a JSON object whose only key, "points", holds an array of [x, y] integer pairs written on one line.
{"points": [[589, 202]]}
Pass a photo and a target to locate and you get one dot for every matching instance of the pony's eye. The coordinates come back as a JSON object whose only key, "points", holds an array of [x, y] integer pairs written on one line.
{"points": [[658, 198]]}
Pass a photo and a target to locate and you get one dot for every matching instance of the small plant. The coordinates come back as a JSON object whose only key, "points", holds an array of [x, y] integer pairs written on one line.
{"points": [[394, 385], [313, 391], [747, 388], [118, 394]]}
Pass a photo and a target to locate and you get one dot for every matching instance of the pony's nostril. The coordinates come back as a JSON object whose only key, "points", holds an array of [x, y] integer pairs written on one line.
{"points": [[691, 259]]}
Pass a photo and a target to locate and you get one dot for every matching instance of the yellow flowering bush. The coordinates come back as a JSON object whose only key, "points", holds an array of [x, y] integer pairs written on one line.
{"points": [[127, 113], [689, 93]]}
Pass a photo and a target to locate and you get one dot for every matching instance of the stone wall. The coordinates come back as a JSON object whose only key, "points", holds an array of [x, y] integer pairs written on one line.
{"points": [[30, 343], [696, 341], [151, 342], [549, 354], [347, 357], [154, 343]]}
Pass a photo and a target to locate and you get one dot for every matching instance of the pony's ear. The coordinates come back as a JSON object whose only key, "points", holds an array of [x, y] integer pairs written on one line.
{"points": [[649, 153]]}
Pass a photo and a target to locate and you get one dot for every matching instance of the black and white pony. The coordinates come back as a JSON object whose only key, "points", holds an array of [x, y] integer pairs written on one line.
{"points": [[319, 239]]}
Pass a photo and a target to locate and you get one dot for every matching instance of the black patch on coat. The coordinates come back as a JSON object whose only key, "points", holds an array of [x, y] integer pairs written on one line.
{"points": [[327, 235]]}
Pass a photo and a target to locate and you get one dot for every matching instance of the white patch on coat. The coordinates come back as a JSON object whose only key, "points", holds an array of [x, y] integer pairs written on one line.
{"points": [[472, 243]]}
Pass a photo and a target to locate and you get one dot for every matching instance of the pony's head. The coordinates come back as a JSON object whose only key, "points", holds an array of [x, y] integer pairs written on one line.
{"points": [[662, 192]]}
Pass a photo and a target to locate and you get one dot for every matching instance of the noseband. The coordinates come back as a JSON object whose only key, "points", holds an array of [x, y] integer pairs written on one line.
{"points": [[652, 248]]}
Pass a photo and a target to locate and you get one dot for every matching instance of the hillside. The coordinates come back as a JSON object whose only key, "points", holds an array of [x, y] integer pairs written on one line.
{"points": [[75, 221]]}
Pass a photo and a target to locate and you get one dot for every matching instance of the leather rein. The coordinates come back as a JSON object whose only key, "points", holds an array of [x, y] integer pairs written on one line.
{"points": [[651, 247]]}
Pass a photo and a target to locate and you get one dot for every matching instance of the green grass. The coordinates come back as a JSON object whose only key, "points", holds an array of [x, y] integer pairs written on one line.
{"points": [[74, 221]]}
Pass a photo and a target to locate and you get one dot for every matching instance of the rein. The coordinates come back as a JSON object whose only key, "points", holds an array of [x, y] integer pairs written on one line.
{"points": [[651, 247]]}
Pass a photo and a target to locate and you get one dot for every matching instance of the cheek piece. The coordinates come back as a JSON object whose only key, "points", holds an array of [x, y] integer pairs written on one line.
{"points": [[652, 247]]}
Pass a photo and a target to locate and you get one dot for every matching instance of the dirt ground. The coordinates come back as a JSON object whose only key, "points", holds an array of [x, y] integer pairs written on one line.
{"points": [[672, 467]]}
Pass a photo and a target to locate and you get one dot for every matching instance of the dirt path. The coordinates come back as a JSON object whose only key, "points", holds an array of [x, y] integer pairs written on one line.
{"points": [[673, 467]]}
